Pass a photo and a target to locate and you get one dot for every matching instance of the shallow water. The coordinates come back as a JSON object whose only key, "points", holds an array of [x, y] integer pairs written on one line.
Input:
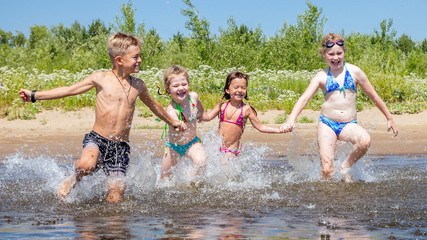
{"points": [[260, 196]]}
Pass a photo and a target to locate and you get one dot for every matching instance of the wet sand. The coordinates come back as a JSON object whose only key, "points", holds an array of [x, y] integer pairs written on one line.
{"points": [[63, 131]]}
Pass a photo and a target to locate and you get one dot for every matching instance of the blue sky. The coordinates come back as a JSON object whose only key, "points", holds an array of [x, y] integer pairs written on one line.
{"points": [[362, 16]]}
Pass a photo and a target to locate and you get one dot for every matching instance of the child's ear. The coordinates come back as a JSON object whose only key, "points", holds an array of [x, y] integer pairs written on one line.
{"points": [[118, 60], [227, 91]]}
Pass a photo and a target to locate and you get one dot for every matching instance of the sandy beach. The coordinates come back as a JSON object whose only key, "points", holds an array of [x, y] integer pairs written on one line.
{"points": [[63, 132]]}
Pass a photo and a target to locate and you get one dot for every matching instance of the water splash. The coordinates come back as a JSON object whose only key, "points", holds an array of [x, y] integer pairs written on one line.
{"points": [[262, 190]]}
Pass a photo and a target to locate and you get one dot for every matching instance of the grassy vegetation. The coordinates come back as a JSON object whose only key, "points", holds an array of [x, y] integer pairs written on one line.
{"points": [[280, 67], [268, 89]]}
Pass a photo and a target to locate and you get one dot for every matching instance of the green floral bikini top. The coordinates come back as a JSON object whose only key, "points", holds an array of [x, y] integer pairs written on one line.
{"points": [[181, 116]]}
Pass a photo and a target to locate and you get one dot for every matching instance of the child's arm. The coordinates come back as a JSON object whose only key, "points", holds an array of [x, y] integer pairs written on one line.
{"points": [[259, 125], [200, 108], [207, 116], [369, 90], [60, 92], [158, 109], [312, 88]]}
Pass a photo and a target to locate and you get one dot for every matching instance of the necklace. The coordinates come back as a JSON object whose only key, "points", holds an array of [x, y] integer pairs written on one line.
{"points": [[123, 87], [230, 116]]}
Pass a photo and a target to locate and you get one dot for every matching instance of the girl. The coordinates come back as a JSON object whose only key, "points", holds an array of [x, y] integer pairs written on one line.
{"points": [[185, 106], [234, 113], [338, 113]]}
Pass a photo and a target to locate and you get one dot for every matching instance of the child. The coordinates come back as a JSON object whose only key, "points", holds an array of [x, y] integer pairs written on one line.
{"points": [[234, 113], [186, 107], [338, 113], [106, 146]]}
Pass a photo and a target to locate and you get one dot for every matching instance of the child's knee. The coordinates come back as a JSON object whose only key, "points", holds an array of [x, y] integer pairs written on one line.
{"points": [[88, 160], [364, 142], [116, 185], [327, 166], [200, 160]]}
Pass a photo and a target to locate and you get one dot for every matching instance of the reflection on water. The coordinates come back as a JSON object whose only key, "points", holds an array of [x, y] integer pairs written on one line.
{"points": [[260, 196]]}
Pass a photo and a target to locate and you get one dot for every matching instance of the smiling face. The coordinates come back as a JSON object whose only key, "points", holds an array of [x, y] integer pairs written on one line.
{"points": [[237, 89], [334, 57], [131, 60], [178, 87]]}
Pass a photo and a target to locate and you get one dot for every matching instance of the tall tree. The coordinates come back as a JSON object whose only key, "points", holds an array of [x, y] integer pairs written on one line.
{"points": [[200, 33], [126, 23], [405, 44]]}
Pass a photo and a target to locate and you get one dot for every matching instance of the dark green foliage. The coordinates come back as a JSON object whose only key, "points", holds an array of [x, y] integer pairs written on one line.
{"points": [[97, 28], [424, 46], [397, 67], [239, 46], [294, 47], [5, 37], [18, 40], [152, 47], [405, 44], [126, 23]]}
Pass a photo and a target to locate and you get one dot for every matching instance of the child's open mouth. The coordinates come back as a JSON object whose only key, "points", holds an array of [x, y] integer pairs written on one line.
{"points": [[181, 94]]}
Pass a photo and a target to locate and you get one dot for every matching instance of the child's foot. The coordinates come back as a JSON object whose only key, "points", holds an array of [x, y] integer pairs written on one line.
{"points": [[116, 190], [195, 185], [325, 176], [114, 197], [65, 188], [345, 173]]}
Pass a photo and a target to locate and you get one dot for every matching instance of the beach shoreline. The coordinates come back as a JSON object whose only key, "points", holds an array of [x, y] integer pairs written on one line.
{"points": [[64, 131]]}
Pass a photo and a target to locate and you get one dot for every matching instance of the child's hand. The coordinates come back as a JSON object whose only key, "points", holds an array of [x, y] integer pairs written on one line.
{"points": [[200, 119], [25, 95], [203, 118], [287, 127], [392, 126], [179, 125]]}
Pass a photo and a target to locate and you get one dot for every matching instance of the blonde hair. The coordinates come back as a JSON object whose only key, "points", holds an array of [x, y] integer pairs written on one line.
{"points": [[330, 37], [172, 71], [119, 43]]}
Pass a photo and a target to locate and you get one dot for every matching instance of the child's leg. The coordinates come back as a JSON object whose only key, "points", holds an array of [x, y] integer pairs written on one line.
{"points": [[197, 154], [169, 160], [116, 189], [326, 139], [83, 167], [361, 141]]}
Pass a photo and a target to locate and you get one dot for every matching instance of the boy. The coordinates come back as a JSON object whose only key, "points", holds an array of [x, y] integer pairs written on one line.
{"points": [[106, 146]]}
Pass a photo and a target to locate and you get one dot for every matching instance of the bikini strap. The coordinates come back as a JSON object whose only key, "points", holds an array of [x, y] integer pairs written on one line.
{"points": [[181, 116], [221, 118]]}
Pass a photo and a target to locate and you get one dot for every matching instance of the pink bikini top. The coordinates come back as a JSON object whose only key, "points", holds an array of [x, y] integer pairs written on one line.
{"points": [[240, 120]]}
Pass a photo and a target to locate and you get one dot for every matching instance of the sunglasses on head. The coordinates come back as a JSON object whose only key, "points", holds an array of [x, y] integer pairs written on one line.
{"points": [[330, 44]]}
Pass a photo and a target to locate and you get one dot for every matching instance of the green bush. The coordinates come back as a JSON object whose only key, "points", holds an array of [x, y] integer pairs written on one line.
{"points": [[280, 67]]}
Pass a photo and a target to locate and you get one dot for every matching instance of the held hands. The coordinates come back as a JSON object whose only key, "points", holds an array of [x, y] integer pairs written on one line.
{"points": [[391, 126], [179, 125], [287, 127], [200, 117]]}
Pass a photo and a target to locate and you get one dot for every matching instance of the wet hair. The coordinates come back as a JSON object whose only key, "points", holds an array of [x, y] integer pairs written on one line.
{"points": [[229, 79], [119, 43], [330, 37], [170, 72]]}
